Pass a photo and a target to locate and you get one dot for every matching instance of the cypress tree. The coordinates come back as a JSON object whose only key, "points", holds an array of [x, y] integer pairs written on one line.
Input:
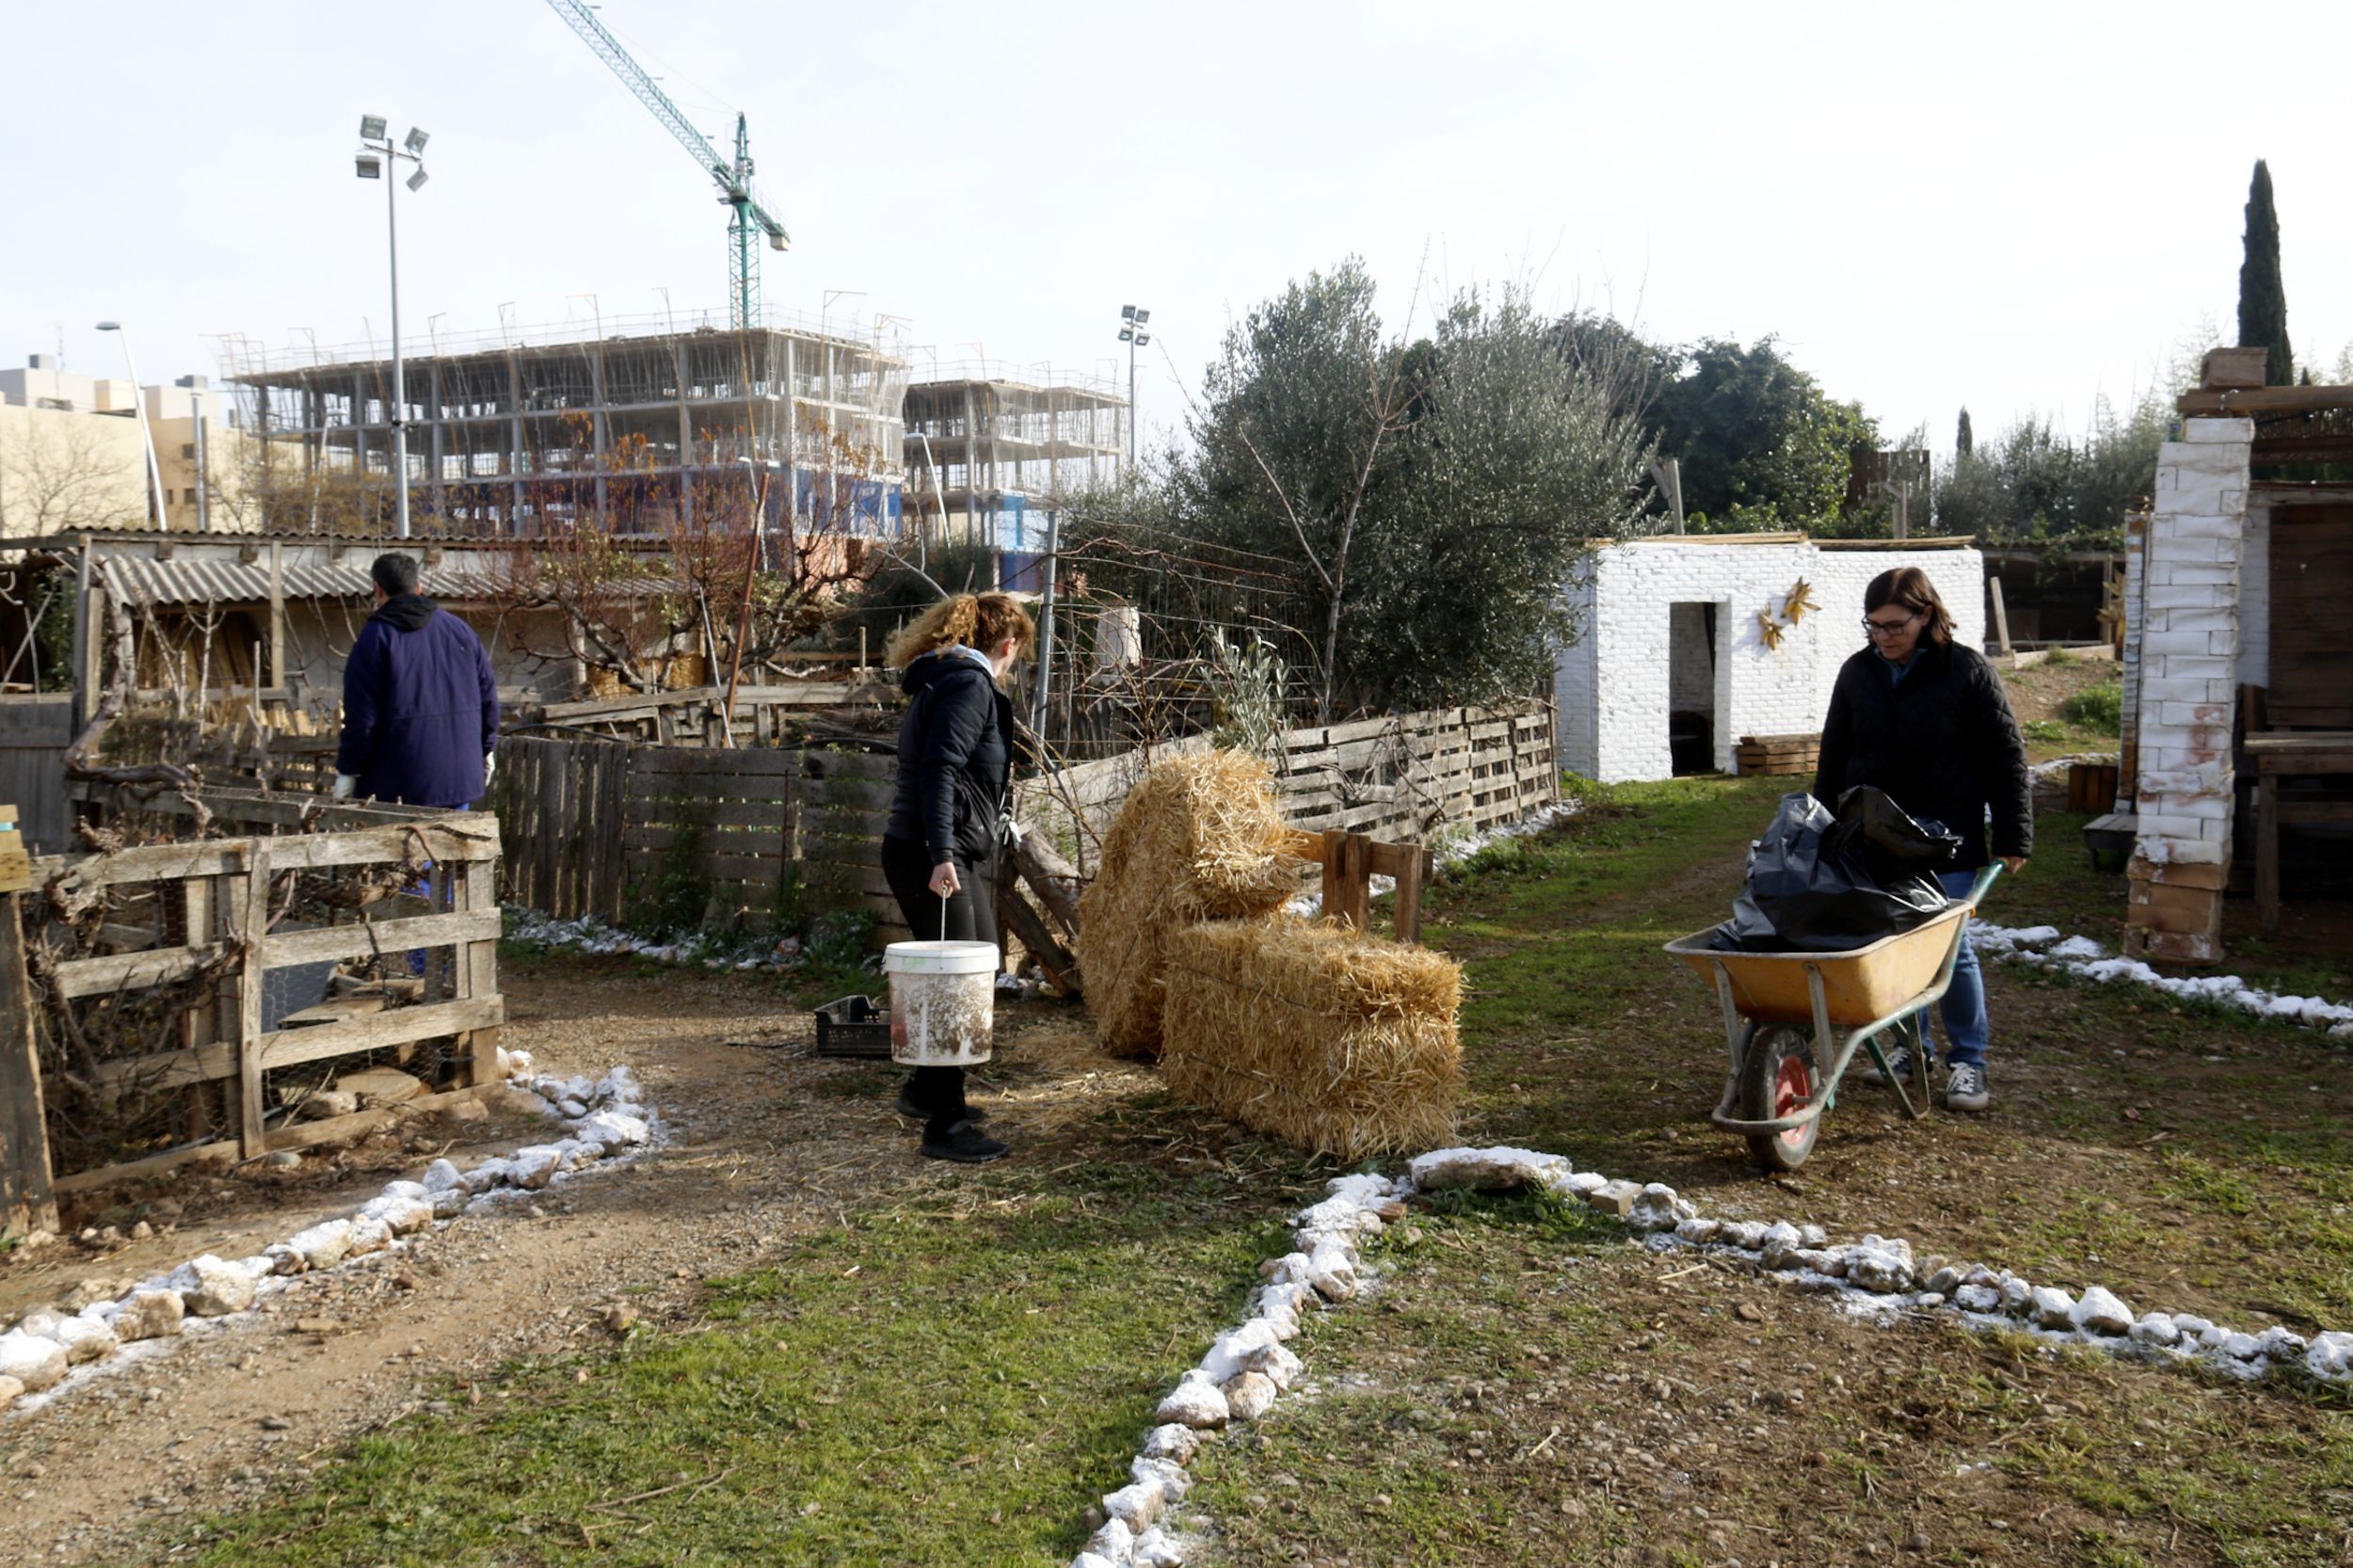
{"points": [[2263, 302], [1964, 442]]}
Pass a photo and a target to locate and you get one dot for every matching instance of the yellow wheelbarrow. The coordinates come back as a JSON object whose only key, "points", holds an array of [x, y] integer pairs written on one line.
{"points": [[1783, 1078]]}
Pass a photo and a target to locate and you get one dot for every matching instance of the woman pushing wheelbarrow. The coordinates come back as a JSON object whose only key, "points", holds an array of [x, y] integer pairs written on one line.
{"points": [[1925, 719], [1921, 721]]}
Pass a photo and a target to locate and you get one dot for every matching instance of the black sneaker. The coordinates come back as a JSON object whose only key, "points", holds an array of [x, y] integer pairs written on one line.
{"points": [[1899, 1062], [914, 1112], [964, 1143]]}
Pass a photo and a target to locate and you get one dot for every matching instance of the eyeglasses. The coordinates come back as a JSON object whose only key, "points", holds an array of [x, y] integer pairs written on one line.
{"points": [[1886, 628]]}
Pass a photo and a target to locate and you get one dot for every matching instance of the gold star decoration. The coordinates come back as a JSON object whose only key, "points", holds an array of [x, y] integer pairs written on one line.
{"points": [[1769, 629], [1801, 599]]}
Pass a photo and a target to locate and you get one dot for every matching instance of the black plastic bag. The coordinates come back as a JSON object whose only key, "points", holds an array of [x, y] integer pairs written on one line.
{"points": [[1819, 883]]}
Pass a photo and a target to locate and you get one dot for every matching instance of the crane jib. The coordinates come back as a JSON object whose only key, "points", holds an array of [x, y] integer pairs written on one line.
{"points": [[742, 260]]}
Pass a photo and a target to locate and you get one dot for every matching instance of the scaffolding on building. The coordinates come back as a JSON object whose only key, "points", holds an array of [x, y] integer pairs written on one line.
{"points": [[991, 448], [639, 422]]}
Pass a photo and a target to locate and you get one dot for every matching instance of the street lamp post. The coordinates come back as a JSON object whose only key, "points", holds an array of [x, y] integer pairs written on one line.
{"points": [[147, 435], [1131, 333], [375, 158]]}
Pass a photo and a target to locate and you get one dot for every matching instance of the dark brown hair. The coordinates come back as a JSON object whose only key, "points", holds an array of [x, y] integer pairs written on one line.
{"points": [[1908, 588]]}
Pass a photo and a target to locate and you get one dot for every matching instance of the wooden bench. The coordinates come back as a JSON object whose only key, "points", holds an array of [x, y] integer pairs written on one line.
{"points": [[2322, 756]]}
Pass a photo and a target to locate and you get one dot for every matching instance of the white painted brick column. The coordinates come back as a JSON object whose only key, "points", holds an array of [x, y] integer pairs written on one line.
{"points": [[2128, 777], [2186, 690]]}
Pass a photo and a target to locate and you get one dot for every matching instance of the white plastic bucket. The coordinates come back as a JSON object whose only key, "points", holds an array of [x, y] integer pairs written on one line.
{"points": [[943, 1001]]}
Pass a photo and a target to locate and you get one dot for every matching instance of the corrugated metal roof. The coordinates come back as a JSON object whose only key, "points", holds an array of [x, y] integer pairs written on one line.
{"points": [[136, 580]]}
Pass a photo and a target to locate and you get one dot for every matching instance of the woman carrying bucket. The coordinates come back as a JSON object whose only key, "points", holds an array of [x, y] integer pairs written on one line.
{"points": [[955, 772]]}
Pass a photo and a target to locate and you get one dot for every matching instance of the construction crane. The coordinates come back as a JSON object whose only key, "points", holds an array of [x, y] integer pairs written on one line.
{"points": [[733, 179]]}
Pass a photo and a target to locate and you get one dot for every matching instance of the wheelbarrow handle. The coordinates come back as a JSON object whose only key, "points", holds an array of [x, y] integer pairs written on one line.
{"points": [[1984, 882]]}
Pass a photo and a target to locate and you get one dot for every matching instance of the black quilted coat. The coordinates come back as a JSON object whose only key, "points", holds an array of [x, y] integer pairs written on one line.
{"points": [[1943, 744]]}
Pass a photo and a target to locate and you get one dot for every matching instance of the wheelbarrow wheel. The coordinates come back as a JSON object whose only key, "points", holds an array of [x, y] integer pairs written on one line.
{"points": [[1778, 1074]]}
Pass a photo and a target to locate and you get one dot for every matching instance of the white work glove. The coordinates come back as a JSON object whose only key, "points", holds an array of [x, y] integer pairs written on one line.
{"points": [[489, 767], [346, 785]]}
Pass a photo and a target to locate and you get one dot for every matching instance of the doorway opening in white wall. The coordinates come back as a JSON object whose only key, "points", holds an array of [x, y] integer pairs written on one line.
{"points": [[1691, 715]]}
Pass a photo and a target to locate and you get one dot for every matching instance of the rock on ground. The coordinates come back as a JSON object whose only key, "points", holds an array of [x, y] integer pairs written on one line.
{"points": [[1485, 1169], [2099, 1312], [2051, 1308], [1194, 1404], [1172, 1442], [2329, 1357], [33, 1361], [149, 1315], [210, 1288], [1249, 1396], [1880, 1264]]}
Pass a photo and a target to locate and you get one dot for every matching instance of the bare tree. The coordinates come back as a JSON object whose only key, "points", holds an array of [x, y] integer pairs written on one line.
{"points": [[733, 570], [63, 474]]}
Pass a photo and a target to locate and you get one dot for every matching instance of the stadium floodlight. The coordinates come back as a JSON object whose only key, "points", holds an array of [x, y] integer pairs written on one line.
{"points": [[1131, 333], [369, 166], [416, 141], [371, 127]]}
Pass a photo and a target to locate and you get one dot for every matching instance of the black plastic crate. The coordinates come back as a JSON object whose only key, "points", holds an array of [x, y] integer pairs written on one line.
{"points": [[854, 1027]]}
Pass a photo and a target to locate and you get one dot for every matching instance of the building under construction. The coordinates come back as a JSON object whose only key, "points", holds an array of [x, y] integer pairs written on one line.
{"points": [[991, 448], [641, 423]]}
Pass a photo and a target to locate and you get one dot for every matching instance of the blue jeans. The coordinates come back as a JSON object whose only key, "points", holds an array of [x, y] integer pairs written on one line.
{"points": [[1964, 1007]]}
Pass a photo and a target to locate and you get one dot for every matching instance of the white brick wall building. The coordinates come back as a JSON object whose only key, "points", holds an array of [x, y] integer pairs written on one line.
{"points": [[1643, 649]]}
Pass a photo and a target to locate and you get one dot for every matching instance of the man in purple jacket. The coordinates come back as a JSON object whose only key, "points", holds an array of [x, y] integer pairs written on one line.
{"points": [[421, 707]]}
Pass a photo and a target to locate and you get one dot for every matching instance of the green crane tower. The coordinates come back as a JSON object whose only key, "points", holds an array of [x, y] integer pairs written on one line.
{"points": [[734, 179]]}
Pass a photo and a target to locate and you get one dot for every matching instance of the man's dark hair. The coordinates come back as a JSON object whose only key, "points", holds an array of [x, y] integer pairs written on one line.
{"points": [[395, 574]]}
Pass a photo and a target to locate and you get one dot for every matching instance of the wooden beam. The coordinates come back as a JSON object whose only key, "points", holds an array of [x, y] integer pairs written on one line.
{"points": [[1017, 914], [2227, 402], [367, 937]]}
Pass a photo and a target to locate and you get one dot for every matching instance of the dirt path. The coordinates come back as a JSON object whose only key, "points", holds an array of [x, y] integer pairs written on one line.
{"points": [[765, 1142]]}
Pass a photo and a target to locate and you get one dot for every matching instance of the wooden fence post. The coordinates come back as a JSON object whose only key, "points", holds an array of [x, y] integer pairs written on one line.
{"points": [[26, 1201], [252, 932]]}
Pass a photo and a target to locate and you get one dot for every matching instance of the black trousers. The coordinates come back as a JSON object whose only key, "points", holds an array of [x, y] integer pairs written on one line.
{"points": [[969, 915]]}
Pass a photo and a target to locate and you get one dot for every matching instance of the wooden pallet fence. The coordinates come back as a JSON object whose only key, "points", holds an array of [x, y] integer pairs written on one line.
{"points": [[719, 822], [594, 826], [1400, 778], [207, 916], [765, 835], [845, 803], [760, 718], [561, 805]]}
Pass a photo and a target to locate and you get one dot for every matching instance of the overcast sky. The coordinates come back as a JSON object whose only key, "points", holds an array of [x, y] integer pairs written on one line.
{"points": [[2011, 207]]}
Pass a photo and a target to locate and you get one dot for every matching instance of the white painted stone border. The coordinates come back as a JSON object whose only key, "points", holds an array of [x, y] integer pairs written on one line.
{"points": [[2043, 947], [46, 1349], [1247, 1368]]}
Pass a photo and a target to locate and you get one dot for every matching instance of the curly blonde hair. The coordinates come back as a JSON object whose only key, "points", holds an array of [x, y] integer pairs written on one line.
{"points": [[976, 620]]}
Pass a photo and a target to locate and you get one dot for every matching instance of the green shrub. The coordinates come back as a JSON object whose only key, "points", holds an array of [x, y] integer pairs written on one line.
{"points": [[2100, 708]]}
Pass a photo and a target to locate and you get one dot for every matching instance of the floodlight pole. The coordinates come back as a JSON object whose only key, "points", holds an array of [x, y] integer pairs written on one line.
{"points": [[400, 389], [391, 153]]}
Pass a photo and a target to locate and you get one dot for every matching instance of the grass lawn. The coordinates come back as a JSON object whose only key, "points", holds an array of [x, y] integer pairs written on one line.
{"points": [[954, 1381], [948, 1382]]}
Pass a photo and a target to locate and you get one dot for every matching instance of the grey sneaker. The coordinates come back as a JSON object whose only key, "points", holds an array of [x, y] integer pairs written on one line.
{"points": [[1965, 1090], [1898, 1062]]}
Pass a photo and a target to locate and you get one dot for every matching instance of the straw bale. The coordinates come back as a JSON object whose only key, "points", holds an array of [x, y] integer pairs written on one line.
{"points": [[1200, 838], [1317, 1034]]}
